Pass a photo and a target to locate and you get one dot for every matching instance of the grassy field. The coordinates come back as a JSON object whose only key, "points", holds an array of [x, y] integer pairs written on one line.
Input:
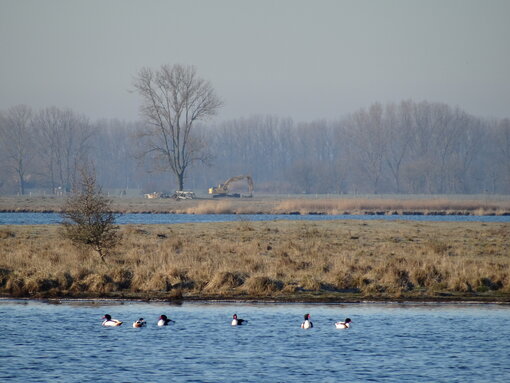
{"points": [[286, 204], [281, 260]]}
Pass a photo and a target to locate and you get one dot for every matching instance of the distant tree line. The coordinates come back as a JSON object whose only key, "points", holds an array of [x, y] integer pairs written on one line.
{"points": [[410, 147]]}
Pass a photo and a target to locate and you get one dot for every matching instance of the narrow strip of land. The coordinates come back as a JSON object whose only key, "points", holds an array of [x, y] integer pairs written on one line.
{"points": [[280, 260], [399, 205]]}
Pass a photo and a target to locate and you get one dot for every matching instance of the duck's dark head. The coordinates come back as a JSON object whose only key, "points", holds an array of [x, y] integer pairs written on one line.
{"points": [[234, 316], [140, 320], [107, 317], [348, 320], [163, 317], [307, 316]]}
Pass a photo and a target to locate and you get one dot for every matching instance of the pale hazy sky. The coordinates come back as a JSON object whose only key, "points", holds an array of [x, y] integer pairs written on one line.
{"points": [[301, 59]]}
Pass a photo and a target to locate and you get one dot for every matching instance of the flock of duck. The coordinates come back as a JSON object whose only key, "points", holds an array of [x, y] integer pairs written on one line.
{"points": [[165, 321]]}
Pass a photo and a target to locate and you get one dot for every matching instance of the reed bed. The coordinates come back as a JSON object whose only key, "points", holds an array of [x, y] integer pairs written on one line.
{"points": [[281, 260], [393, 206]]}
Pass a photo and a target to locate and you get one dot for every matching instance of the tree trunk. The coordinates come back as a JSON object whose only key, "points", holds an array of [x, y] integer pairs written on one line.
{"points": [[21, 185], [180, 177]]}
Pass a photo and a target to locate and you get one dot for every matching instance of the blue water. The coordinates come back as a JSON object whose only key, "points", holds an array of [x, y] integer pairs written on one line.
{"points": [[387, 343], [53, 218]]}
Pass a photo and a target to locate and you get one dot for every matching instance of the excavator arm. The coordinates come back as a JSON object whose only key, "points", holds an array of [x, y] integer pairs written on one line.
{"points": [[223, 189]]}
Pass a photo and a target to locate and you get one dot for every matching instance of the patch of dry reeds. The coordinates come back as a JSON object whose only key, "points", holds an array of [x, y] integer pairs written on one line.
{"points": [[431, 206], [260, 259], [212, 207]]}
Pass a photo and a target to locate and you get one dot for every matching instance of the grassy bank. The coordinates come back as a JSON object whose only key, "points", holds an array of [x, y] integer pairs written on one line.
{"points": [[295, 261], [277, 204]]}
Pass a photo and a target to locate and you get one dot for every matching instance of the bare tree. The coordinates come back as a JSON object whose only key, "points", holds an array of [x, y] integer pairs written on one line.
{"points": [[369, 143], [64, 144], [502, 145], [399, 128], [17, 142], [114, 154], [174, 98]]}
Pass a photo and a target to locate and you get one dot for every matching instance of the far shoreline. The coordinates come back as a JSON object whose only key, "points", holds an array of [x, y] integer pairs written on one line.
{"points": [[401, 205], [296, 213]]}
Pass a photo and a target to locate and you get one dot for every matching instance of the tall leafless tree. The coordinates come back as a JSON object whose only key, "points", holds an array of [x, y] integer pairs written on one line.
{"points": [[399, 128], [503, 150], [64, 144], [174, 99], [368, 139], [17, 142]]}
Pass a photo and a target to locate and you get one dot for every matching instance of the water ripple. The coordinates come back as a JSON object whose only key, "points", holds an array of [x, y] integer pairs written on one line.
{"points": [[387, 343]]}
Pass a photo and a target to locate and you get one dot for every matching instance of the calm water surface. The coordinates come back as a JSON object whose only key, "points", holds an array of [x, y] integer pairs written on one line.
{"points": [[53, 218], [387, 343]]}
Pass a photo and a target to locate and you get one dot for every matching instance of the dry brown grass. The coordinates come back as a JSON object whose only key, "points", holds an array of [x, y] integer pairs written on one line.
{"points": [[259, 259], [393, 206]]}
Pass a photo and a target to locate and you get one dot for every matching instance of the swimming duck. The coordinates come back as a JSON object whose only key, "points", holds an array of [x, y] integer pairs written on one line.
{"points": [[307, 323], [139, 323], [237, 321], [163, 320], [345, 324], [109, 322]]}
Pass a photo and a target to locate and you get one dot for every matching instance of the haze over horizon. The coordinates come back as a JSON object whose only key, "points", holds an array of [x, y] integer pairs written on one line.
{"points": [[306, 60]]}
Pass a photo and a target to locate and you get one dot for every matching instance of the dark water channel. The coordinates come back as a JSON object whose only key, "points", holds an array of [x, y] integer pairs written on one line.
{"points": [[53, 218]]}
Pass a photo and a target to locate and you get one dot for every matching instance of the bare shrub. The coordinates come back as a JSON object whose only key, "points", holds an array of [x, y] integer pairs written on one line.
{"points": [[87, 217]]}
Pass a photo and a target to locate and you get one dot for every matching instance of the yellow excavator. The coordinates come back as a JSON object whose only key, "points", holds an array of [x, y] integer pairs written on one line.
{"points": [[222, 190]]}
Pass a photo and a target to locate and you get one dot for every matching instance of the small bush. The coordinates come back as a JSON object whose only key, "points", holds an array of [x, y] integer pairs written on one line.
{"points": [[88, 219]]}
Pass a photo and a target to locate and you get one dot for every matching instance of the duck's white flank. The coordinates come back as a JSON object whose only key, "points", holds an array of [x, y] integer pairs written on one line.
{"points": [[109, 322], [343, 325]]}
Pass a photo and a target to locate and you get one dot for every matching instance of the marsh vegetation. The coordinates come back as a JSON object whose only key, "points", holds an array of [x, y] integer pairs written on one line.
{"points": [[281, 260]]}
